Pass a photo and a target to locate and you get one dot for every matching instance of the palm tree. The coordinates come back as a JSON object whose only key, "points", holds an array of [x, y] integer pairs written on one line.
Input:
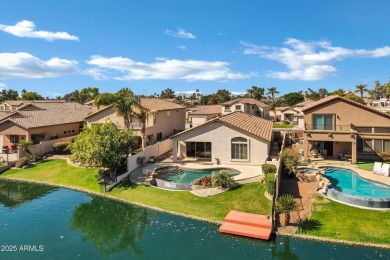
{"points": [[272, 91], [361, 89], [285, 204], [126, 104], [256, 92], [143, 115]]}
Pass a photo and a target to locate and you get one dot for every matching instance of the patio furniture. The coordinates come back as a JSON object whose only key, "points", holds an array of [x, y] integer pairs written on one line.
{"points": [[13, 147], [342, 157], [377, 168], [385, 170]]}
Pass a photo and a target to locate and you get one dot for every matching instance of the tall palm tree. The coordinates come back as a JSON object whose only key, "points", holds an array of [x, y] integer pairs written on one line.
{"points": [[256, 92], [126, 104], [361, 89], [272, 91], [143, 115]]}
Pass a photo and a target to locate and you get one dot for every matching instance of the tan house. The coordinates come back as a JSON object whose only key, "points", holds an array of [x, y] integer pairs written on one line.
{"points": [[167, 120], [293, 115], [202, 114], [235, 138], [249, 106], [40, 120], [336, 127]]}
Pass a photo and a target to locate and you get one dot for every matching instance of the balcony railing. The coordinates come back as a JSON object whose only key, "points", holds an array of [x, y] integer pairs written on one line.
{"points": [[136, 125], [321, 127], [228, 110]]}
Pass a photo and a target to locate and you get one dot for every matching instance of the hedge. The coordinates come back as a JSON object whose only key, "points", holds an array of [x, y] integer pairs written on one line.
{"points": [[270, 183], [268, 168], [60, 147]]}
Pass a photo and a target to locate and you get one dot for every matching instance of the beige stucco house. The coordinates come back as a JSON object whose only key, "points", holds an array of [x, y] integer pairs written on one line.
{"points": [[293, 115], [40, 120], [235, 138], [201, 114], [249, 106], [167, 120], [335, 126]]}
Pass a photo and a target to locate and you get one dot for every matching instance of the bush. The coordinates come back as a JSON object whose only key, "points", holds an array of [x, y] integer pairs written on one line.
{"points": [[60, 147], [290, 158], [268, 168], [269, 183], [32, 157], [385, 156], [223, 179], [22, 162]]}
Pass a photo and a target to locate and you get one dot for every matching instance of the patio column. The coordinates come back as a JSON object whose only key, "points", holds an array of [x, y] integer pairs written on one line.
{"points": [[306, 149], [174, 152], [354, 154]]}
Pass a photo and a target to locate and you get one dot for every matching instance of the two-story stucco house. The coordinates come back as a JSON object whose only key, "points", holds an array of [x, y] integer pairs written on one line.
{"points": [[167, 120], [249, 106], [293, 114], [201, 114], [335, 126], [235, 138]]}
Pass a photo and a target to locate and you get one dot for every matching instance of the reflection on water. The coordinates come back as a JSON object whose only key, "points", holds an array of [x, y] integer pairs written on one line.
{"points": [[110, 225]]}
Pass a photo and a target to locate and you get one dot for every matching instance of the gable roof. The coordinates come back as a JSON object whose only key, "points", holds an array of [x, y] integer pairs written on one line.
{"points": [[250, 101], [207, 110], [303, 103], [254, 125], [333, 98]]}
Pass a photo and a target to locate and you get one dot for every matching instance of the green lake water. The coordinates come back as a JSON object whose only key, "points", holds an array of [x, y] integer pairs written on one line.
{"points": [[42, 222]]}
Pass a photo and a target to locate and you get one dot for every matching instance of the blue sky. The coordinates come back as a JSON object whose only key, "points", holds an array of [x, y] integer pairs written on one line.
{"points": [[55, 47]]}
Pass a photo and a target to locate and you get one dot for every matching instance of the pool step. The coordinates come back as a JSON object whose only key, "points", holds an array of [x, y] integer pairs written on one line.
{"points": [[178, 171]]}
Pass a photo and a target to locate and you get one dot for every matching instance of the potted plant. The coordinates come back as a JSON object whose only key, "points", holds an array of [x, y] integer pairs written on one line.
{"points": [[151, 158]]}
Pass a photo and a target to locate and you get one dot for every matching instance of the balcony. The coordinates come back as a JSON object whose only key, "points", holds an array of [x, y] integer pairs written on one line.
{"points": [[136, 125], [320, 127], [227, 110]]}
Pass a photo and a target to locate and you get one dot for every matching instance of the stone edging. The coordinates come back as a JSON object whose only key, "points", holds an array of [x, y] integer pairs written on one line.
{"points": [[332, 240], [268, 196], [217, 222]]}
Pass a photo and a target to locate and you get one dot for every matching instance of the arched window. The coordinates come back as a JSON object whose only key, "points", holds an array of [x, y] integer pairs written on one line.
{"points": [[239, 148]]}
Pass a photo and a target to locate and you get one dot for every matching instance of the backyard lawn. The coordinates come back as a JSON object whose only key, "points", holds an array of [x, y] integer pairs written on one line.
{"points": [[339, 221], [249, 197], [282, 126]]}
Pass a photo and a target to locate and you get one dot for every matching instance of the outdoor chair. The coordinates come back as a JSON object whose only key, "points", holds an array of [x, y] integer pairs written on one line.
{"points": [[377, 168], [385, 170]]}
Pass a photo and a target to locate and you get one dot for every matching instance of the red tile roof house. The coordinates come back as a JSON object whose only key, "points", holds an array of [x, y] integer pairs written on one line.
{"points": [[169, 119], [39, 120], [202, 114], [249, 106], [235, 138]]}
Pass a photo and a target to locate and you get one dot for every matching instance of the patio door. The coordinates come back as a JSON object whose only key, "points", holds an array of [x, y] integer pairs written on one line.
{"points": [[199, 149]]}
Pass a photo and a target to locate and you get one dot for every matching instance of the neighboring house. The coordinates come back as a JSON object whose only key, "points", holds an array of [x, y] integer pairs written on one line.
{"points": [[293, 115], [249, 106], [235, 138], [338, 127], [202, 114], [167, 120], [173, 100], [40, 120]]}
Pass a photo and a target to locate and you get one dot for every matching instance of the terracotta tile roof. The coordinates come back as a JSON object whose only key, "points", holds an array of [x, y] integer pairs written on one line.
{"points": [[159, 104], [250, 101], [48, 113], [304, 103], [332, 98], [254, 125], [207, 110]]}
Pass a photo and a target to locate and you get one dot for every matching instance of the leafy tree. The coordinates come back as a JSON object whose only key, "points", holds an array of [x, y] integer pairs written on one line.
{"points": [[223, 179], [204, 99], [88, 94], [361, 89], [312, 95], [286, 204], [272, 91], [31, 96], [339, 92], [379, 91], [102, 145], [73, 96], [167, 93], [9, 94], [353, 97], [322, 92], [293, 98], [105, 99], [223, 95], [256, 92], [125, 105], [290, 159]]}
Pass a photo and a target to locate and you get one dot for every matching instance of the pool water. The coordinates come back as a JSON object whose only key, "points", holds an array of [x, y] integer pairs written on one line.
{"points": [[65, 224], [181, 175], [349, 182]]}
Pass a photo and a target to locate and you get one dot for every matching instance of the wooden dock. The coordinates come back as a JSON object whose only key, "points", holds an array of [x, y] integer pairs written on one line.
{"points": [[247, 224]]}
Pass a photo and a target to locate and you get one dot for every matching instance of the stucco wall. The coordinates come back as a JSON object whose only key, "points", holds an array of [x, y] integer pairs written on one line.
{"points": [[247, 109], [220, 136]]}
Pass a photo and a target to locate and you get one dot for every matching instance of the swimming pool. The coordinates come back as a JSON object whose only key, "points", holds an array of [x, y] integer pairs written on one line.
{"points": [[350, 187]]}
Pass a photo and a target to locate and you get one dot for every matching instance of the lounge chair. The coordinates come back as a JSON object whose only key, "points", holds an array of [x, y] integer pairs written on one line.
{"points": [[385, 170], [377, 168]]}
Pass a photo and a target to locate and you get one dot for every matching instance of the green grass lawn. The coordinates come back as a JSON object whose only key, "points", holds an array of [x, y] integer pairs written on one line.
{"points": [[340, 221], [368, 166], [249, 197], [282, 126]]}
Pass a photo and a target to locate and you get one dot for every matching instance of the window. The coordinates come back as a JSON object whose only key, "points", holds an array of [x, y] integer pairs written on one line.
{"points": [[238, 107], [323, 122], [381, 145], [14, 139], [227, 108], [37, 138], [365, 146], [239, 147], [159, 136], [54, 136], [253, 106]]}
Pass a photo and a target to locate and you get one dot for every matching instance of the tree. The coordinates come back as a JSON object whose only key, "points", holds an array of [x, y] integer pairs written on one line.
{"points": [[102, 145], [339, 92], [256, 92], [361, 89], [353, 97], [125, 105], [272, 91], [286, 204], [31, 96], [312, 95], [223, 95], [204, 99], [379, 91], [293, 98], [143, 115], [105, 99], [322, 92], [88, 94], [290, 159], [9, 94], [167, 93]]}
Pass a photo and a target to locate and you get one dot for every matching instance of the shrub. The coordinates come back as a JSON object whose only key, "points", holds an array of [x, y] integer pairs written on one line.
{"points": [[269, 183], [290, 159], [60, 147], [22, 162], [268, 168], [140, 160], [32, 157], [385, 156], [223, 179], [286, 204]]}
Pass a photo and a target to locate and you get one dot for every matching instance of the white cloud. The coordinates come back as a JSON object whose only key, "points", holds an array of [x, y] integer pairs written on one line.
{"points": [[182, 47], [309, 60], [27, 29], [180, 33], [166, 69], [24, 65], [238, 93], [2, 86]]}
